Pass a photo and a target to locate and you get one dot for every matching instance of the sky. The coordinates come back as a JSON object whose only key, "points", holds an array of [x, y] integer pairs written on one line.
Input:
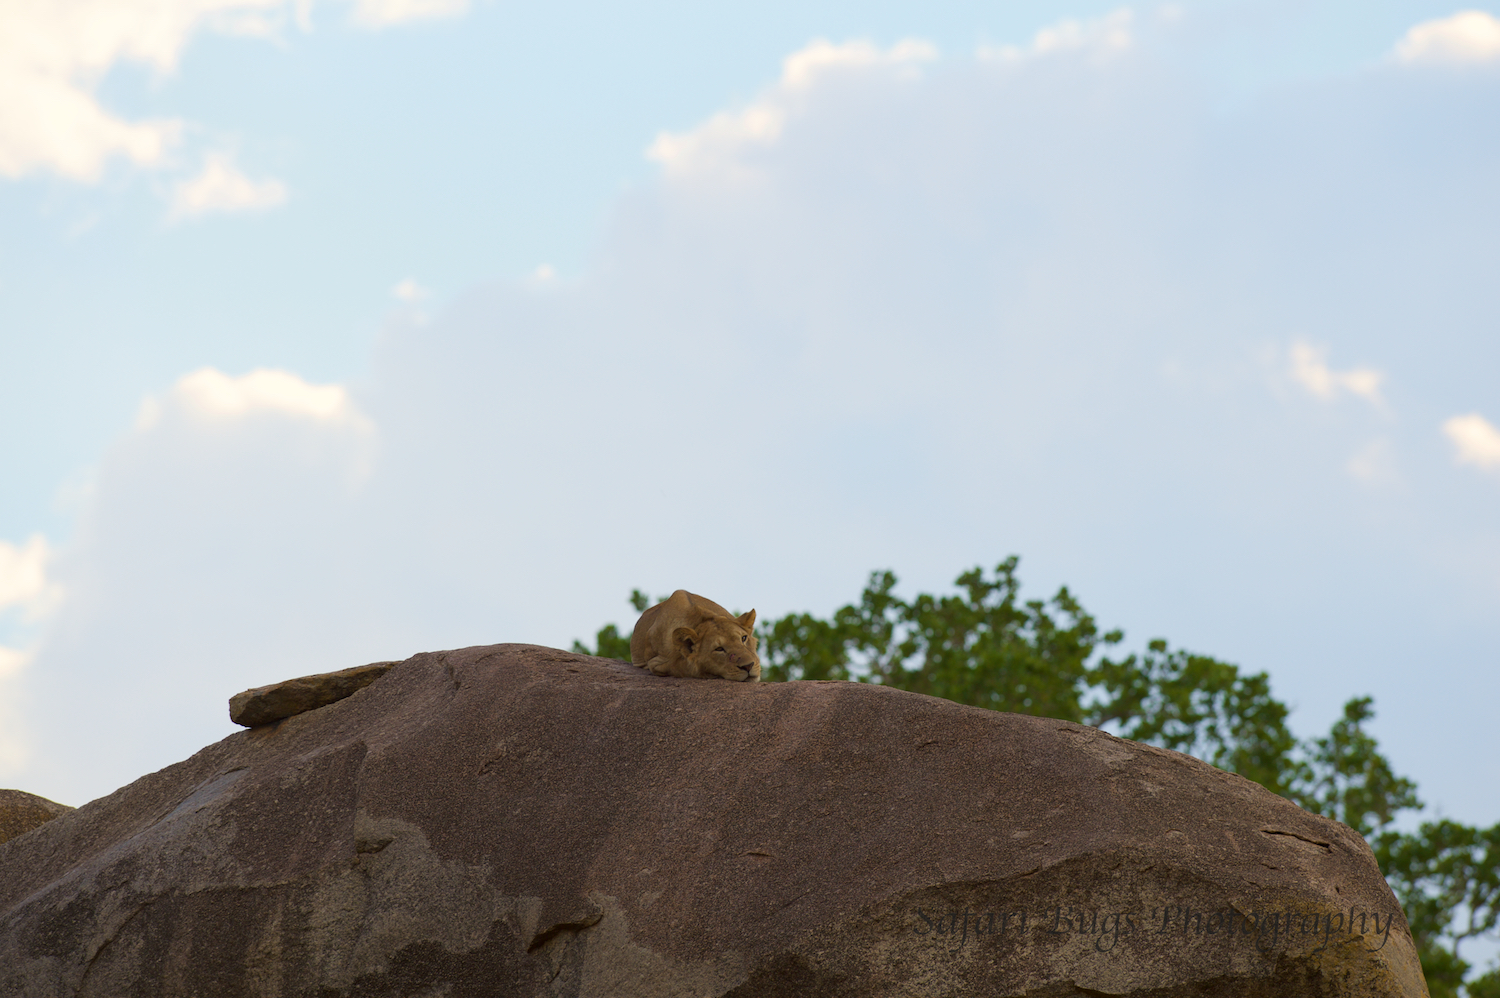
{"points": [[335, 332]]}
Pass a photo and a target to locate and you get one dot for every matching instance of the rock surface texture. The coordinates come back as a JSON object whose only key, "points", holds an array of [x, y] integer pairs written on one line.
{"points": [[21, 812], [519, 821]]}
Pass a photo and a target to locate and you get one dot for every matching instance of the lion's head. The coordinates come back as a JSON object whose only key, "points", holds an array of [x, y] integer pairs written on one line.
{"points": [[722, 647]]}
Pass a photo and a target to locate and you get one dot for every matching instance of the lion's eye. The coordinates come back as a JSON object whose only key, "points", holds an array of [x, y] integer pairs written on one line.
{"points": [[744, 639], [720, 648]]}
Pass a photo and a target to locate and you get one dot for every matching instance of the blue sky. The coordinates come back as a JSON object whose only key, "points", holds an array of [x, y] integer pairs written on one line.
{"points": [[331, 333]]}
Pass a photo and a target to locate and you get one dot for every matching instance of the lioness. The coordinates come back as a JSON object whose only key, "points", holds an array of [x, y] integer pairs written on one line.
{"points": [[696, 638]]}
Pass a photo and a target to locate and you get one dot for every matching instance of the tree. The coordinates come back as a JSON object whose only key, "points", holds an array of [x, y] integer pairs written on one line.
{"points": [[1198, 705], [981, 647], [1346, 777], [609, 642], [1447, 876], [986, 647]]}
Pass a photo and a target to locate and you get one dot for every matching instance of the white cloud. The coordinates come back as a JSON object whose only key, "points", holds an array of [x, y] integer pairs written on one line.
{"points": [[384, 13], [23, 578], [719, 138], [192, 552], [1100, 36], [713, 145], [1470, 36], [409, 291], [343, 437], [802, 69], [54, 53], [15, 750], [25, 586], [1476, 439], [1310, 369], [50, 124], [718, 147], [222, 188], [213, 394]]}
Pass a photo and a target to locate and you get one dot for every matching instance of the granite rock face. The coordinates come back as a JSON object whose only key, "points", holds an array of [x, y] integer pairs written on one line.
{"points": [[520, 821], [20, 812], [266, 704]]}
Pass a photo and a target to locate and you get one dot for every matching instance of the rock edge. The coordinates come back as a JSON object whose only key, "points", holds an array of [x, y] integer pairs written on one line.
{"points": [[20, 812], [266, 704]]}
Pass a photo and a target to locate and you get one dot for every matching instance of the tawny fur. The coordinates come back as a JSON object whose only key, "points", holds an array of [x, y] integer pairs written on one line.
{"points": [[695, 638]]}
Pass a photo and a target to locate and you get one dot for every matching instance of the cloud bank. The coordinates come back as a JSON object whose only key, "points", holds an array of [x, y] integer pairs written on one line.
{"points": [[893, 312], [1475, 440], [27, 597], [54, 53], [1468, 37], [23, 577], [220, 187], [1312, 371], [719, 146], [385, 13]]}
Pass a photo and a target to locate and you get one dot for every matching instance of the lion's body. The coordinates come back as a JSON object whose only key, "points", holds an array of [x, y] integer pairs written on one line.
{"points": [[695, 638]]}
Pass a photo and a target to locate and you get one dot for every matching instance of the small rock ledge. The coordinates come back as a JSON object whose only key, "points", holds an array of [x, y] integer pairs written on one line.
{"points": [[267, 704]]}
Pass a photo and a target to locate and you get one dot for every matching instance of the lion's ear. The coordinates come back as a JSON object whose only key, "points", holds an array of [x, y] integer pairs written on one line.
{"points": [[685, 638], [747, 620]]}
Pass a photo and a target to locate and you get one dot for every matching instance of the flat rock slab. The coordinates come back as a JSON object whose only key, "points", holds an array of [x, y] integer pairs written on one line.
{"points": [[20, 812], [266, 704], [520, 821]]}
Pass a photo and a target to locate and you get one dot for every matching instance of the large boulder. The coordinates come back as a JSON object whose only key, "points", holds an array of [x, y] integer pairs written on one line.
{"points": [[20, 812], [520, 821]]}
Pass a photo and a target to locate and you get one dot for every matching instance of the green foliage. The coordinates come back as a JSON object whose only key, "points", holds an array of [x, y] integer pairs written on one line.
{"points": [[609, 642], [982, 647], [1201, 706], [985, 647], [1487, 986], [1346, 777], [1447, 876]]}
